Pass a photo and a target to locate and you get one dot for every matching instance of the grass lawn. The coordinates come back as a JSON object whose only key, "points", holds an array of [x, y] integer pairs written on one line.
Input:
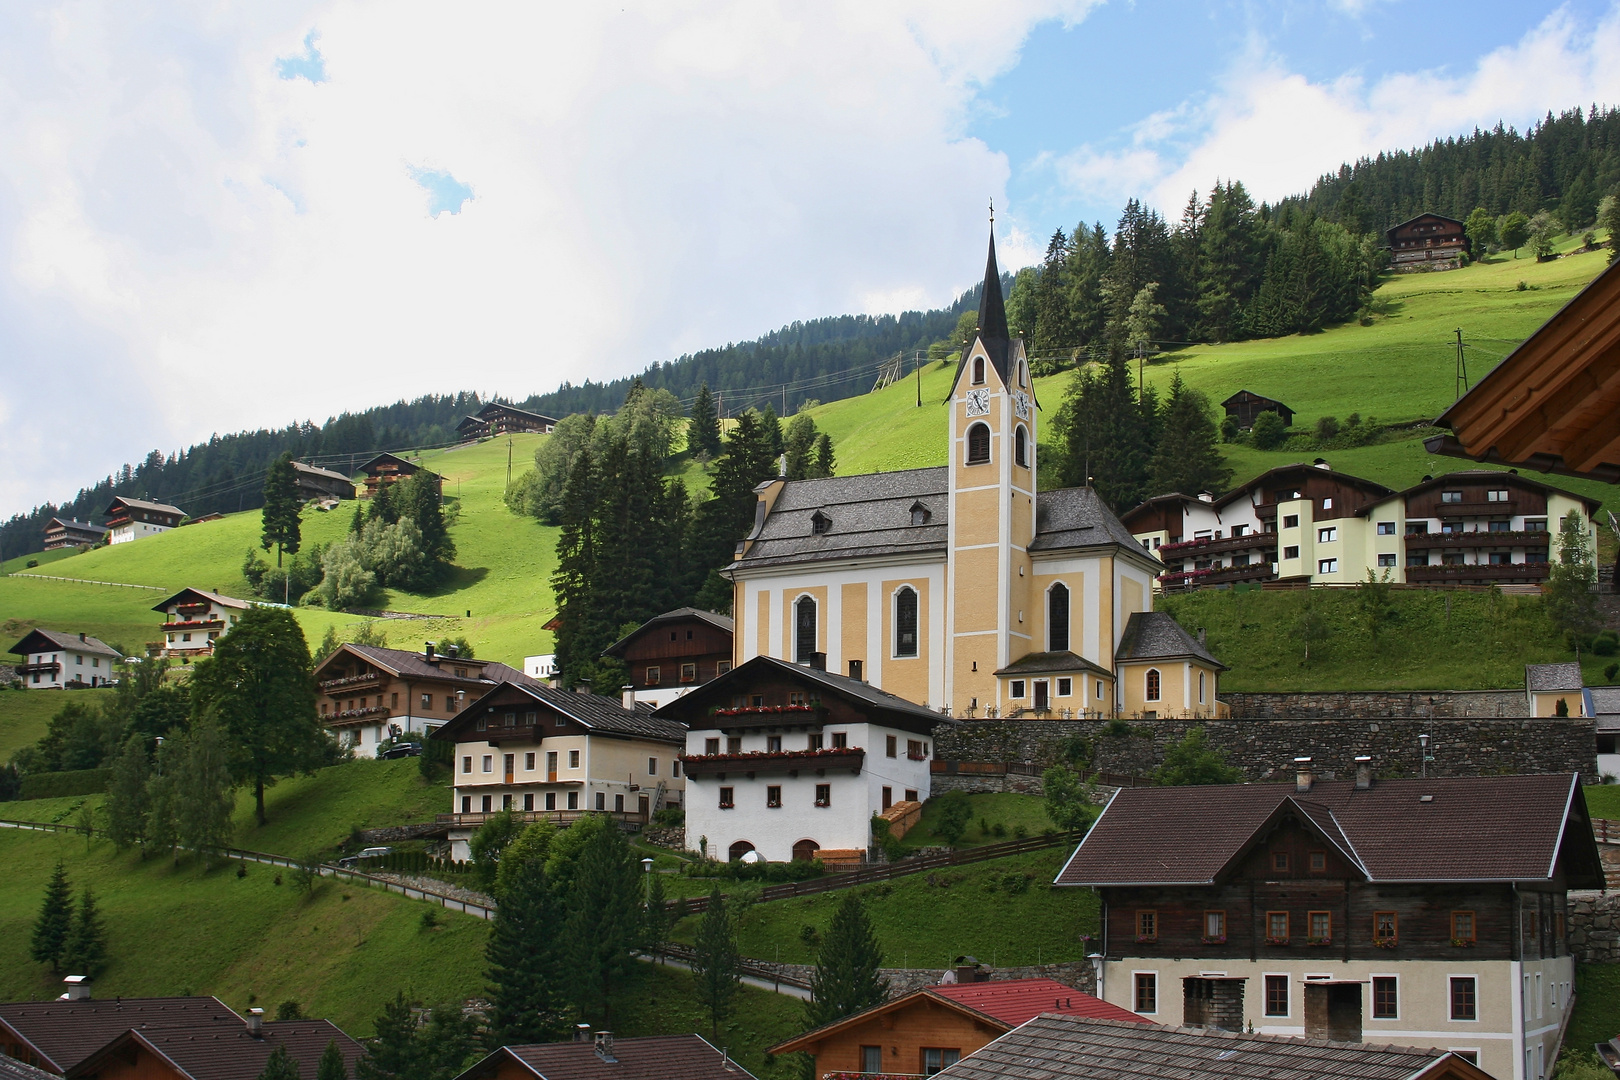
{"points": [[928, 919], [1603, 801], [1009, 810], [43, 559], [314, 814], [663, 1001], [25, 713], [340, 952], [1597, 1015]]}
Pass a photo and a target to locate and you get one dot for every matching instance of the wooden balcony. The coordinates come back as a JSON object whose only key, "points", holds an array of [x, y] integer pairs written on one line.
{"points": [[1538, 538], [193, 624], [1188, 580], [1198, 549], [699, 766], [353, 682], [50, 668], [1476, 574], [560, 818]]}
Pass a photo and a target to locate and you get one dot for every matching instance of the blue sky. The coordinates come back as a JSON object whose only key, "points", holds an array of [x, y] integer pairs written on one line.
{"points": [[292, 190]]}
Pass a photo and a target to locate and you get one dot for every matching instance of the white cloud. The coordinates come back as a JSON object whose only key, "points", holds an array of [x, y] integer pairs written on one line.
{"points": [[209, 221]]}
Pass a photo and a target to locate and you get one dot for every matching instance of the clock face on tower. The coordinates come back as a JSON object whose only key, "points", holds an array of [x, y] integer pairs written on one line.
{"points": [[1021, 404], [978, 403]]}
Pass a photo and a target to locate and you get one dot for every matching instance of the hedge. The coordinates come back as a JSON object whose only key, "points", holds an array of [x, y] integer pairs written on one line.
{"points": [[55, 785]]}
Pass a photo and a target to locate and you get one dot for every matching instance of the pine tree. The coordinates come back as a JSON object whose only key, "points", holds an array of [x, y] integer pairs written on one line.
{"points": [[332, 1066], [418, 499], [727, 516], [1231, 262], [580, 636], [847, 978], [393, 1053], [604, 922], [281, 508], [358, 522], [1609, 222], [657, 921], [127, 801], [1104, 436], [382, 505], [162, 797], [799, 444], [703, 426], [526, 965], [771, 425], [280, 1065], [55, 922], [1187, 457], [716, 965], [825, 463]]}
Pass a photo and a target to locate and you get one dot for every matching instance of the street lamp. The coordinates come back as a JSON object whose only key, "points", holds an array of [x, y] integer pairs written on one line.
{"points": [[1423, 743]]}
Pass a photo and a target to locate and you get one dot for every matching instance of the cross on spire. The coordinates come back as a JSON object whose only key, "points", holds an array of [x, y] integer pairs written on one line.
{"points": [[992, 210]]}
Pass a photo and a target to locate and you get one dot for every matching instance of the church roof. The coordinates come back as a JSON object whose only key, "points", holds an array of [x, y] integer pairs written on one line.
{"points": [[1077, 517], [1154, 635]]}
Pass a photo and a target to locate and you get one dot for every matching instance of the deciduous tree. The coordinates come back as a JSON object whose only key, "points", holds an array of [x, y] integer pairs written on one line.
{"points": [[1194, 761], [1570, 601], [127, 797]]}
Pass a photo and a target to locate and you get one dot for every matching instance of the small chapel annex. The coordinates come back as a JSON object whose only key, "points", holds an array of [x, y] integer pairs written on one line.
{"points": [[963, 587]]}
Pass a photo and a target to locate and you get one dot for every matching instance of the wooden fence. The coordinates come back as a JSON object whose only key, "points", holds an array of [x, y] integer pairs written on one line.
{"points": [[1606, 831]]}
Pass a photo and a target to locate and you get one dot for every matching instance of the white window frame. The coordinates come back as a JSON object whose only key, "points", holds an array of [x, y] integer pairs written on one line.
{"points": [[1065, 686], [894, 615], [1474, 975], [1327, 566], [1328, 534], [1157, 995], [1148, 675]]}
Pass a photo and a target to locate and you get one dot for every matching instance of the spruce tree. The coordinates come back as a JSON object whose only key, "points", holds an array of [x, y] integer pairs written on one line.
{"points": [[127, 802], [825, 463], [604, 922], [85, 951], [703, 426], [393, 1053], [771, 425], [581, 636], [526, 967], [657, 921], [1187, 458], [281, 508], [332, 1066], [1105, 437], [55, 922], [280, 1065], [358, 522], [799, 444], [382, 505], [847, 978], [418, 499], [716, 965]]}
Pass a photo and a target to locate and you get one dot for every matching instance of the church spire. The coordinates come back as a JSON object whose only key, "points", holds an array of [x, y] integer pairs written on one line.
{"points": [[993, 311]]}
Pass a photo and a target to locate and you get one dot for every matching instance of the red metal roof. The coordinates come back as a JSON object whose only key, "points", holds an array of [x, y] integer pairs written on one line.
{"points": [[1018, 1001]]}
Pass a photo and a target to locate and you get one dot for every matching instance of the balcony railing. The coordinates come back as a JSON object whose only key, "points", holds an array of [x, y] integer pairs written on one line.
{"points": [[556, 817], [1511, 508], [50, 668], [1480, 573], [1187, 549], [370, 712], [352, 682], [695, 766], [1186, 580], [193, 624], [1539, 538]]}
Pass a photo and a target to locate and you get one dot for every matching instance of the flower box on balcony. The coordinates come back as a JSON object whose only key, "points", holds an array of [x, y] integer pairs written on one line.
{"points": [[1218, 939], [1319, 941], [1384, 943], [1462, 943], [1147, 939], [823, 802], [728, 806], [762, 710], [1277, 942]]}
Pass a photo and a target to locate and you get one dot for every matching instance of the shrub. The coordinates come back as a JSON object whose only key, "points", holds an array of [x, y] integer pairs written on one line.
{"points": [[1269, 432], [1327, 427], [1230, 431], [670, 817], [999, 829], [56, 785], [1611, 672]]}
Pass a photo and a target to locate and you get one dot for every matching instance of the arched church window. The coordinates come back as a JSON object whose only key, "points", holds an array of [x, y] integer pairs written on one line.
{"points": [[1023, 374], [1151, 689], [1057, 618], [905, 622], [1021, 446], [804, 629], [978, 444], [978, 370]]}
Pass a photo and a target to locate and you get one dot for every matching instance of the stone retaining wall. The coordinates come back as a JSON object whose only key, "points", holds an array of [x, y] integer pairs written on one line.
{"points": [[1078, 974], [977, 784], [1368, 704], [393, 834], [1264, 750], [1594, 927]]}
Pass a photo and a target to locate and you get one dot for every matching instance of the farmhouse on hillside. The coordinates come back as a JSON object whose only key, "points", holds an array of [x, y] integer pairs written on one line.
{"points": [[1427, 242], [547, 753], [131, 519], [66, 532], [1405, 912], [321, 484], [793, 762], [602, 1057], [672, 653], [369, 694], [499, 419], [53, 660], [933, 584], [927, 1030], [387, 469], [193, 619], [216, 1049], [1245, 407], [61, 1034]]}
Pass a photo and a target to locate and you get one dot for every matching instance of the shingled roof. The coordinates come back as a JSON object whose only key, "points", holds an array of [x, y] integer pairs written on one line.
{"points": [[1038, 663], [211, 597], [413, 665], [1054, 1047], [1486, 828], [598, 714], [39, 639], [891, 710], [864, 515], [212, 1051], [662, 1057], [61, 1033], [1154, 635], [718, 621], [12, 1069], [1551, 678], [1077, 517]]}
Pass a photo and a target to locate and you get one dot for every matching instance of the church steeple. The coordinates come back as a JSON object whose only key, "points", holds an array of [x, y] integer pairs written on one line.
{"points": [[993, 314]]}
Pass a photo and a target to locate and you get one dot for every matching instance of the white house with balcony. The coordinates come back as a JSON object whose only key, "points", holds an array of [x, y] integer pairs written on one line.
{"points": [[193, 620], [52, 660], [793, 762]]}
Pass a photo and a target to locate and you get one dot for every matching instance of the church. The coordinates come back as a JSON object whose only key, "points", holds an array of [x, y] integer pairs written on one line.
{"points": [[964, 588]]}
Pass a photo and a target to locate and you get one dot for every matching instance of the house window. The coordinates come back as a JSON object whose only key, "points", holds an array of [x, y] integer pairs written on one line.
{"points": [[1451, 496], [510, 721], [722, 667], [1417, 528], [978, 444], [978, 377], [773, 744], [489, 762], [528, 803], [1501, 558], [1151, 687], [1327, 504], [1321, 924], [1277, 925], [551, 764], [1420, 559], [935, 1059], [823, 794], [1291, 551], [653, 675], [813, 741], [711, 746], [905, 622], [1147, 925], [652, 766], [804, 629], [528, 762], [1535, 524], [483, 722], [840, 740], [820, 523], [573, 800], [1326, 536], [1021, 446], [920, 514], [1499, 495], [1462, 926], [551, 800], [1279, 861], [466, 804], [427, 702], [888, 797], [1214, 925], [797, 697], [1290, 521], [485, 804], [857, 670], [1386, 560], [1385, 927], [1464, 998], [1147, 992], [1276, 995], [1386, 528], [573, 759], [688, 673], [773, 796], [1065, 686], [889, 746], [601, 800], [734, 744], [1318, 861], [1057, 618], [1386, 1002], [1016, 690], [872, 1056], [1327, 566], [916, 749], [466, 764]]}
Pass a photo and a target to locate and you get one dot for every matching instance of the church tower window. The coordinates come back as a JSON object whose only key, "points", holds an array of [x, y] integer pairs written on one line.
{"points": [[1057, 618], [1021, 446], [978, 444], [978, 371], [905, 622], [804, 629]]}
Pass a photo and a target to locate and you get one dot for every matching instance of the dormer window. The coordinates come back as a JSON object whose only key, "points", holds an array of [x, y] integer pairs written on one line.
{"points": [[978, 371], [820, 523], [919, 514]]}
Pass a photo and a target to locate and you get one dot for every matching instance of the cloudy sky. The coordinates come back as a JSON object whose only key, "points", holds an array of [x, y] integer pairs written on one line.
{"points": [[216, 216]]}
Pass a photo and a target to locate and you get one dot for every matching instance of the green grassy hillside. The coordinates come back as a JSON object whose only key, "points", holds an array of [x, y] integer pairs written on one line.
{"points": [[24, 714]]}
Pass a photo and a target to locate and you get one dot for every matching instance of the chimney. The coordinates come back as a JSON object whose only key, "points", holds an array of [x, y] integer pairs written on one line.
{"points": [[582, 688], [628, 693], [582, 1033], [818, 661], [1321, 463], [604, 1046], [1364, 774], [1304, 775], [255, 1023], [78, 988], [1200, 637], [427, 651], [81, 635], [452, 651]]}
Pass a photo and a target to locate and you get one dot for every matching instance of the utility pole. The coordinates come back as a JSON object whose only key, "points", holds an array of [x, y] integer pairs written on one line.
{"points": [[916, 366], [508, 462], [1462, 366]]}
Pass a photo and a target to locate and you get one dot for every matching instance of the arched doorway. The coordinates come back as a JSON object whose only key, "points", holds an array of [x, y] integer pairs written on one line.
{"points": [[805, 850], [739, 849]]}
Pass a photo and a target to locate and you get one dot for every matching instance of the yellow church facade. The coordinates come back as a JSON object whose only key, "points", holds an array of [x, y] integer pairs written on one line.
{"points": [[963, 587]]}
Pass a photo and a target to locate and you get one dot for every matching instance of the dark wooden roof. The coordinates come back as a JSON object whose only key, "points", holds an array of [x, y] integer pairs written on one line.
{"points": [[62, 1034], [401, 466], [598, 715], [1393, 229], [661, 1057], [225, 1051], [1551, 405], [1300, 470], [1503, 476], [125, 501], [12, 1069], [1471, 829], [40, 639], [1055, 1047], [1246, 396], [72, 525], [719, 622], [413, 665], [879, 707], [217, 598]]}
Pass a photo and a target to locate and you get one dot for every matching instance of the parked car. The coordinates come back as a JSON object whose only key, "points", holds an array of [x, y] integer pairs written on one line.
{"points": [[399, 750], [349, 862]]}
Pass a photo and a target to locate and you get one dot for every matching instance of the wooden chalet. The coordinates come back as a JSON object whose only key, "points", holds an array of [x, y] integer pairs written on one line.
{"points": [[600, 1056], [52, 660], [60, 1035], [674, 652], [1427, 242], [217, 1049], [1246, 405], [927, 1030], [193, 619], [1551, 405], [316, 483], [369, 694], [68, 533], [500, 419], [131, 519], [1384, 910], [386, 469]]}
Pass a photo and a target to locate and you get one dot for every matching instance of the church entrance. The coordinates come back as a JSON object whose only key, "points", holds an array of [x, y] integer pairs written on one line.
{"points": [[1042, 700]]}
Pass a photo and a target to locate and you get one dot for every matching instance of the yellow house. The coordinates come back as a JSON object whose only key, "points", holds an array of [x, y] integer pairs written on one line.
{"points": [[963, 587]]}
